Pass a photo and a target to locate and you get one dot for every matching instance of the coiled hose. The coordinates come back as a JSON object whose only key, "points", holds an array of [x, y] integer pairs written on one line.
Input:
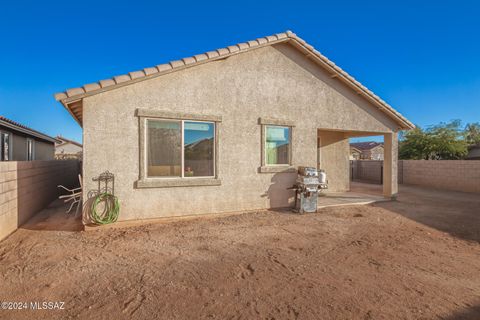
{"points": [[110, 210]]}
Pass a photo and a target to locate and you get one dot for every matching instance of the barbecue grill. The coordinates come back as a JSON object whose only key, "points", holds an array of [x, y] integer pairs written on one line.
{"points": [[309, 183]]}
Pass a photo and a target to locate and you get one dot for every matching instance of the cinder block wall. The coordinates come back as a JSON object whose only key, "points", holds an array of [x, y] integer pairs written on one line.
{"points": [[367, 170], [8, 198], [28, 187], [456, 175]]}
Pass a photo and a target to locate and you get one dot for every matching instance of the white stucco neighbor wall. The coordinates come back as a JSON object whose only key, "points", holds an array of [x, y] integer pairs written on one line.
{"points": [[270, 82]]}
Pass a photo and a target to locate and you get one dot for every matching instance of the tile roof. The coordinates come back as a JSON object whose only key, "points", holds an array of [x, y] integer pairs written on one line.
{"points": [[27, 130], [362, 146], [75, 94], [63, 141]]}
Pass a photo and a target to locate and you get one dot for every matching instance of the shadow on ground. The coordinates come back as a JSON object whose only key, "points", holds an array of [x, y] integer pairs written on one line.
{"points": [[55, 218], [457, 213], [470, 313]]}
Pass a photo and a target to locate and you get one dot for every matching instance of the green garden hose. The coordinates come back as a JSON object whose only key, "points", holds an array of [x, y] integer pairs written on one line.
{"points": [[110, 211]]}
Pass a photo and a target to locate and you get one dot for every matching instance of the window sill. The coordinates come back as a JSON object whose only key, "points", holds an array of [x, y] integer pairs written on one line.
{"points": [[277, 169], [181, 182]]}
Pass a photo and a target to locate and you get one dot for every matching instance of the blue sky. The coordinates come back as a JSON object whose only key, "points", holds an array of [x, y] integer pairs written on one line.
{"points": [[420, 56]]}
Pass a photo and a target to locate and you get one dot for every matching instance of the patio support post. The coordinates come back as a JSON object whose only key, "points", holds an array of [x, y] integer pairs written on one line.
{"points": [[390, 165]]}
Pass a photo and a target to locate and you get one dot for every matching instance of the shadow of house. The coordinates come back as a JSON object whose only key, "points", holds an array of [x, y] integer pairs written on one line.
{"points": [[456, 213], [470, 313], [279, 196]]}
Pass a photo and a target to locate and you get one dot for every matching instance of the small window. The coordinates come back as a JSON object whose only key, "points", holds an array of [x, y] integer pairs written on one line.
{"points": [[277, 145], [5, 146], [179, 148], [30, 150]]}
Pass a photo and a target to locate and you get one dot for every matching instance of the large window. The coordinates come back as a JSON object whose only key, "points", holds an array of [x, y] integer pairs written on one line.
{"points": [[277, 145], [5, 146], [180, 148]]}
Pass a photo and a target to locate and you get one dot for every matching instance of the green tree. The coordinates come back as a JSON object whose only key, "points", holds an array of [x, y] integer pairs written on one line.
{"points": [[444, 141], [472, 133]]}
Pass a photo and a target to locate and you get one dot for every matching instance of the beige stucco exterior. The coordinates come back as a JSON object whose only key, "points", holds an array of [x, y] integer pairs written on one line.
{"points": [[274, 82]]}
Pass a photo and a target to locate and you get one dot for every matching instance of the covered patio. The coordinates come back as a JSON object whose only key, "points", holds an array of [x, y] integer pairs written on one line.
{"points": [[360, 193], [333, 157]]}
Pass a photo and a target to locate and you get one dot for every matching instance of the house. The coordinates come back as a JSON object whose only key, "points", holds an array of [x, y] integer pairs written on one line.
{"points": [[20, 143], [67, 149], [473, 152], [355, 153], [226, 130], [366, 150]]}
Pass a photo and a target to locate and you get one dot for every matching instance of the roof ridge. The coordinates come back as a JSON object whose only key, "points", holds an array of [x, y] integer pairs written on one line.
{"points": [[75, 94]]}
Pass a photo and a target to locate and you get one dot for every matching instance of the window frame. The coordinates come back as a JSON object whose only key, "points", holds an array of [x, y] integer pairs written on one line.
{"points": [[32, 141], [145, 181], [276, 168], [289, 146], [10, 145], [182, 156]]}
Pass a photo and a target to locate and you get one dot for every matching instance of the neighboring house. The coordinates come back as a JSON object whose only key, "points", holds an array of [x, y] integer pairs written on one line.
{"points": [[473, 152], [366, 150], [226, 130], [67, 149], [20, 143], [355, 154]]}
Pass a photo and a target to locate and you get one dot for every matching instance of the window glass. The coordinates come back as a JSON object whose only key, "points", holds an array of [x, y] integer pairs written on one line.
{"points": [[30, 150], [164, 145], [277, 145], [199, 146], [5, 146]]}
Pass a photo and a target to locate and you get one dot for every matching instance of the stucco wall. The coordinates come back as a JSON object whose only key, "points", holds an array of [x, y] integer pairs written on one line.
{"points": [[27, 187], [333, 158], [273, 82]]}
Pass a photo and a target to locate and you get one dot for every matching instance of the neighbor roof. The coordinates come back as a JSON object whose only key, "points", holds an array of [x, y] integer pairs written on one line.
{"points": [[64, 141], [72, 98], [13, 125], [363, 146]]}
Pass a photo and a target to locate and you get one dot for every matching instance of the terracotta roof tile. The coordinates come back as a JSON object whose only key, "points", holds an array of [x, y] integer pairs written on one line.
{"points": [[189, 60], [75, 91], [223, 51], [137, 74], [164, 67], [201, 57], [107, 83], [91, 87], [121, 78], [212, 54], [233, 49], [243, 46], [177, 63], [149, 71], [262, 40]]}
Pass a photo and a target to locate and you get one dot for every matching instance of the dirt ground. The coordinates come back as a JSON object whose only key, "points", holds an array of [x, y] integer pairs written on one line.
{"points": [[415, 258]]}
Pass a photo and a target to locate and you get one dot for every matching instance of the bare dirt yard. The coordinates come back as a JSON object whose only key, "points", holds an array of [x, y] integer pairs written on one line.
{"points": [[415, 258]]}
